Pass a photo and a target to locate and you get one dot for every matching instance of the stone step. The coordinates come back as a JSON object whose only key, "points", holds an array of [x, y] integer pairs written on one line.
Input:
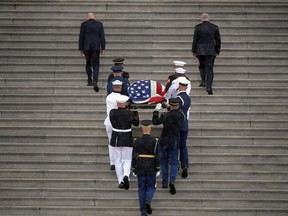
{"points": [[94, 157], [201, 123], [27, 92], [243, 68], [138, 44], [143, 52], [102, 165], [150, 8], [58, 83], [100, 114], [87, 105], [132, 202], [106, 183], [241, 37], [154, 22], [196, 175], [102, 146], [142, 74], [90, 139], [127, 211]]}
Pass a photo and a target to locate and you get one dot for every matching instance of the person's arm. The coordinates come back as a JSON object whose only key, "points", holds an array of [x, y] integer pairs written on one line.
{"points": [[103, 40], [81, 38], [194, 43], [217, 41]]}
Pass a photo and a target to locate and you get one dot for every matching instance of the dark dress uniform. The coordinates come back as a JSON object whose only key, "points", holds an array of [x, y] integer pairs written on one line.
{"points": [[121, 141], [145, 163], [124, 75], [185, 103], [206, 44], [169, 142], [91, 40], [125, 85]]}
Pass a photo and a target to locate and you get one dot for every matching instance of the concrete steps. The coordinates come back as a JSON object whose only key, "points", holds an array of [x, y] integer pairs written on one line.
{"points": [[53, 144]]}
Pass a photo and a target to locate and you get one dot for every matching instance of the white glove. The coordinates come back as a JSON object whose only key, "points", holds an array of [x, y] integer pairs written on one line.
{"points": [[134, 174], [158, 174], [158, 107]]}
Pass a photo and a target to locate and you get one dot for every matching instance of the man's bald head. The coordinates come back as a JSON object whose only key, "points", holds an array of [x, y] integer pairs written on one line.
{"points": [[90, 16], [205, 17]]}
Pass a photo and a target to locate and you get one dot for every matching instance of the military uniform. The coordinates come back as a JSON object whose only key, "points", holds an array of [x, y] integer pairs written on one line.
{"points": [[125, 82], [145, 163], [122, 120], [169, 142], [125, 74], [111, 103], [185, 103], [172, 90]]}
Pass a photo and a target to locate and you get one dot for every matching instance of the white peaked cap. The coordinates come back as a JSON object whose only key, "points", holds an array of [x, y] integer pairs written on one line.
{"points": [[117, 82], [180, 70], [179, 63], [183, 81], [122, 99]]}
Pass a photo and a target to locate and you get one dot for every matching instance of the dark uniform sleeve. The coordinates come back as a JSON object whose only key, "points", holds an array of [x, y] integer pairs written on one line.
{"points": [[195, 40], [157, 156], [135, 120], [134, 156]]}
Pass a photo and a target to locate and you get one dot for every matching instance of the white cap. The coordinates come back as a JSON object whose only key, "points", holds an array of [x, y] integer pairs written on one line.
{"points": [[122, 99], [117, 82], [183, 80], [179, 63], [180, 70]]}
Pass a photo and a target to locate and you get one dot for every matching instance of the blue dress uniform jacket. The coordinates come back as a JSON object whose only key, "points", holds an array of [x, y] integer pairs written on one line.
{"points": [[172, 122], [125, 85], [91, 36], [122, 121], [146, 155], [185, 103], [206, 39]]}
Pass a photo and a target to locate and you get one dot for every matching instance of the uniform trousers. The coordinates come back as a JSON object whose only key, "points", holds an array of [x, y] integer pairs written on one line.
{"points": [[92, 61], [146, 189], [169, 162], [109, 134], [122, 157], [183, 148], [206, 64]]}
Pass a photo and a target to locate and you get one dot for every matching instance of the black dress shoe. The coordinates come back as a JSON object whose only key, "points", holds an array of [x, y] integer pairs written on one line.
{"points": [[121, 185], [148, 208], [210, 92], [184, 172], [202, 84], [126, 182], [112, 167], [172, 189], [96, 88]]}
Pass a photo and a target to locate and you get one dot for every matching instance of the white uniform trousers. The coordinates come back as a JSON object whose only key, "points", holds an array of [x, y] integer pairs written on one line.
{"points": [[109, 134], [122, 157]]}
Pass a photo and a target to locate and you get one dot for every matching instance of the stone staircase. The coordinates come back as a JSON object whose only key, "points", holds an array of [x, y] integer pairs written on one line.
{"points": [[53, 144]]}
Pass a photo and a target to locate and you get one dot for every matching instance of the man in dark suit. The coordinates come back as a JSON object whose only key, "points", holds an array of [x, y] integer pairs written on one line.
{"points": [[206, 45], [92, 43]]}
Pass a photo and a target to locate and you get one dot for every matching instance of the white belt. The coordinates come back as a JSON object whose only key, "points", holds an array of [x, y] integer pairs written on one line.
{"points": [[121, 130]]}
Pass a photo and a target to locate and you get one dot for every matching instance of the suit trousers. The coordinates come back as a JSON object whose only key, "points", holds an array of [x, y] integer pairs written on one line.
{"points": [[122, 157], [146, 189], [92, 61], [206, 64]]}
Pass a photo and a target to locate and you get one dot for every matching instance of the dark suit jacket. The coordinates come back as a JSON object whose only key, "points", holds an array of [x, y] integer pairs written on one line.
{"points": [[206, 40], [91, 36]]}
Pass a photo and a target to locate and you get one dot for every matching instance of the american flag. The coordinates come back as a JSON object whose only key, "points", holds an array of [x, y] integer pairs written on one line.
{"points": [[142, 90]]}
